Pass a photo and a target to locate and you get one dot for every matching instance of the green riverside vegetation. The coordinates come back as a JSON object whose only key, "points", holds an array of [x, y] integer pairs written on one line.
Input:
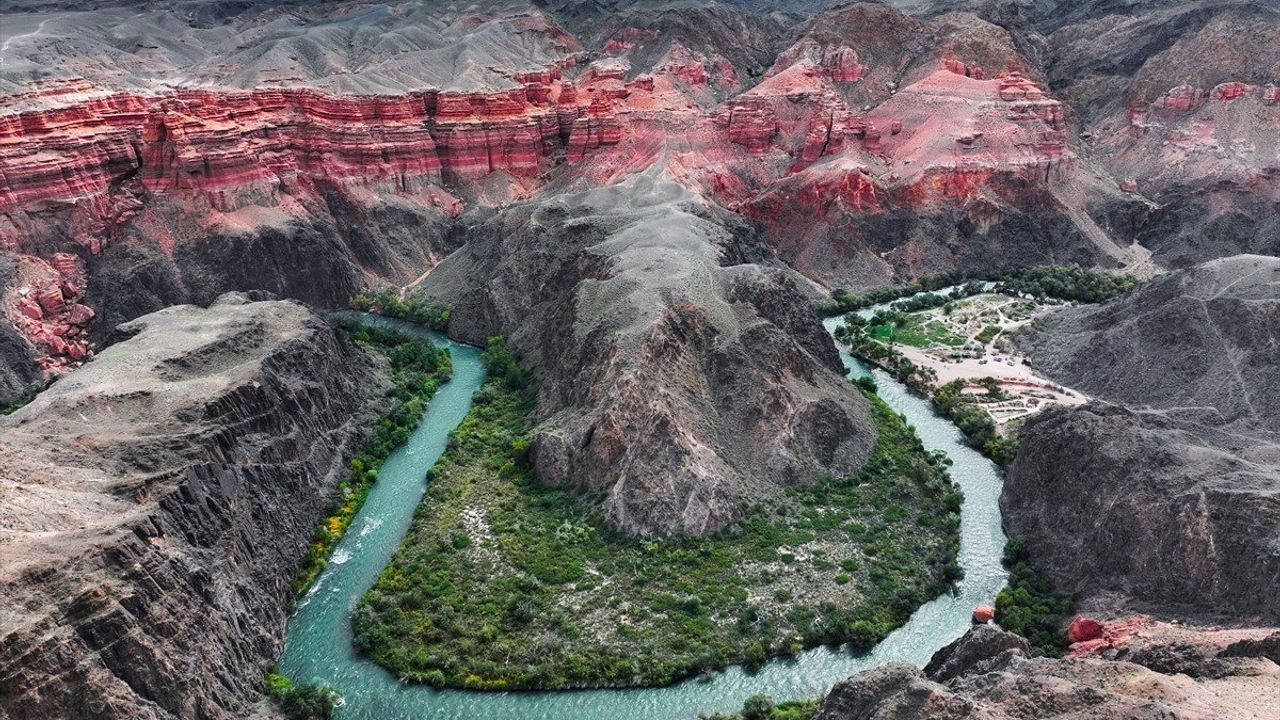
{"points": [[503, 583], [1029, 606], [1062, 282], [389, 304], [418, 368], [309, 701]]}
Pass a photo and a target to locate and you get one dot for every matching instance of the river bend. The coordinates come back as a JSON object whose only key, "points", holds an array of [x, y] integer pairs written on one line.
{"points": [[318, 644]]}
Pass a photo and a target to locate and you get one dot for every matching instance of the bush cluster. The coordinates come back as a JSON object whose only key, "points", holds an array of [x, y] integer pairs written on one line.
{"points": [[412, 309], [762, 707], [309, 701], [1029, 606]]}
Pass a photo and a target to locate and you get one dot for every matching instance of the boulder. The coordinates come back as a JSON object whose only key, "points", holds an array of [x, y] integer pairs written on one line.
{"points": [[975, 647], [984, 614], [1083, 629]]}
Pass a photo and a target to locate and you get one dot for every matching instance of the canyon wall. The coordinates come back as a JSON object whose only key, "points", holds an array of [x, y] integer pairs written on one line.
{"points": [[156, 504], [1168, 494]]}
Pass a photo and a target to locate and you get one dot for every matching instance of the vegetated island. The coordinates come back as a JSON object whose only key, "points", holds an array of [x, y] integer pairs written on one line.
{"points": [[502, 583]]}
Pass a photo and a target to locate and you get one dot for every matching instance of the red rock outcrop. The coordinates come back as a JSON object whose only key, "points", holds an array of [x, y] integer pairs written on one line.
{"points": [[599, 126], [1183, 97], [839, 63], [628, 37], [44, 305], [1083, 628], [481, 133], [1230, 91], [959, 68], [750, 122]]}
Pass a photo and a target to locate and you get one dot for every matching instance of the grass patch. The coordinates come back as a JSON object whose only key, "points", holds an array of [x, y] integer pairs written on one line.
{"points": [[914, 330], [542, 595], [418, 368], [988, 334]]}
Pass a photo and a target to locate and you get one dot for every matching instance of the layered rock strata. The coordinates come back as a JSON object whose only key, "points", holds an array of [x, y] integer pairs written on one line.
{"points": [[156, 504], [233, 147]]}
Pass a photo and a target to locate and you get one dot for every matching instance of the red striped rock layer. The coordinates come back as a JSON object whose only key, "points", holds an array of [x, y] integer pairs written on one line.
{"points": [[219, 143]]}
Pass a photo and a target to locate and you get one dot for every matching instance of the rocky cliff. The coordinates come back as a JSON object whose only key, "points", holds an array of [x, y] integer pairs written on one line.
{"points": [[156, 503], [681, 379], [989, 673], [1169, 494]]}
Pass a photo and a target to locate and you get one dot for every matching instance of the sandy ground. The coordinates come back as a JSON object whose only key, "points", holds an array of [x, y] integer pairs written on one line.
{"points": [[1031, 392]]}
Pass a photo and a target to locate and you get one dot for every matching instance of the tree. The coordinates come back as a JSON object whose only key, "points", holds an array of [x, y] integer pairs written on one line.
{"points": [[757, 707]]}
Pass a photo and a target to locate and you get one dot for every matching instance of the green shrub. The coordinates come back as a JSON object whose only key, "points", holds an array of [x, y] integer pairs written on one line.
{"points": [[414, 310], [757, 707], [309, 701], [1029, 606]]}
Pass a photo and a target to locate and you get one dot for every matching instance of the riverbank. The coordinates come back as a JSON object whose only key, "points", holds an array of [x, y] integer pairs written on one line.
{"points": [[417, 369]]}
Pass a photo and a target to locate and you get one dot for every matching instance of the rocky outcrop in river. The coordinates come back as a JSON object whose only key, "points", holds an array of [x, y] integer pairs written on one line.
{"points": [[1168, 492], [155, 504], [683, 375]]}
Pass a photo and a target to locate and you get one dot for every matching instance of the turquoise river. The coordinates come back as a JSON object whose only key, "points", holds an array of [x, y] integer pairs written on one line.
{"points": [[318, 646]]}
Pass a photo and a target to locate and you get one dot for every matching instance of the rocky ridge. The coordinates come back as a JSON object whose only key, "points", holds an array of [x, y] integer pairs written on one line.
{"points": [[170, 484], [682, 378], [1167, 492], [989, 673]]}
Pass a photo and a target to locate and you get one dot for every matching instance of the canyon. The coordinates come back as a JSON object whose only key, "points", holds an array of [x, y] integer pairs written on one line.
{"points": [[647, 200]]}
